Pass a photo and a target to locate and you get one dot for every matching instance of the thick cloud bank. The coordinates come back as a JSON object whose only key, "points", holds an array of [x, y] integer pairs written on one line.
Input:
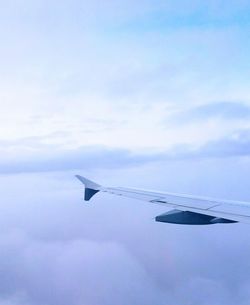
{"points": [[76, 272], [57, 250]]}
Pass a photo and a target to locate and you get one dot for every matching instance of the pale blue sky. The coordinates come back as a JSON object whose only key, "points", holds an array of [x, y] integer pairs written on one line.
{"points": [[114, 74]]}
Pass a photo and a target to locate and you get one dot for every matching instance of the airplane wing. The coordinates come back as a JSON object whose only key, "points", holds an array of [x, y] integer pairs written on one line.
{"points": [[186, 209]]}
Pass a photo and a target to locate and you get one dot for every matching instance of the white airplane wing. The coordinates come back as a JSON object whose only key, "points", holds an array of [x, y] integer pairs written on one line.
{"points": [[186, 209]]}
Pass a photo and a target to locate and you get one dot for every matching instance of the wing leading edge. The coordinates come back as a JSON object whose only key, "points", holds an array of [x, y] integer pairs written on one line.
{"points": [[187, 209]]}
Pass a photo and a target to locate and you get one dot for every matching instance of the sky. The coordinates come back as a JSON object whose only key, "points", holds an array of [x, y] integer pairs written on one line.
{"points": [[148, 94]]}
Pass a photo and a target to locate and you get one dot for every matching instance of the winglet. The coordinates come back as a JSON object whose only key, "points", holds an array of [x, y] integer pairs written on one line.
{"points": [[91, 188]]}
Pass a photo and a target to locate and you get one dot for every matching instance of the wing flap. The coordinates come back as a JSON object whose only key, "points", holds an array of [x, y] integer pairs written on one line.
{"points": [[242, 210]]}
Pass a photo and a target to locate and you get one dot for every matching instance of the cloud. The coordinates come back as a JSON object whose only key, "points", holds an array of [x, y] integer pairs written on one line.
{"points": [[76, 271], [62, 160], [235, 145], [57, 250], [226, 110], [214, 110], [36, 156]]}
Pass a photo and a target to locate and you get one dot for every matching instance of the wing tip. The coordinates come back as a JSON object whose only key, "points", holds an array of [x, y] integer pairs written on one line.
{"points": [[91, 188]]}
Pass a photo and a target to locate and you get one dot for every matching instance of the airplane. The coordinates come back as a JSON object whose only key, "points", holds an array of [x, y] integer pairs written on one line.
{"points": [[188, 210]]}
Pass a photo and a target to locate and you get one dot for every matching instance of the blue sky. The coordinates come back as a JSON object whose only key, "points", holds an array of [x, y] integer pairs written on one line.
{"points": [[110, 74], [152, 94]]}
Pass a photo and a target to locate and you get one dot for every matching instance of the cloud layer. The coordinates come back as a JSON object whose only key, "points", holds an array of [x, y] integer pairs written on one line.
{"points": [[57, 249], [48, 158]]}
